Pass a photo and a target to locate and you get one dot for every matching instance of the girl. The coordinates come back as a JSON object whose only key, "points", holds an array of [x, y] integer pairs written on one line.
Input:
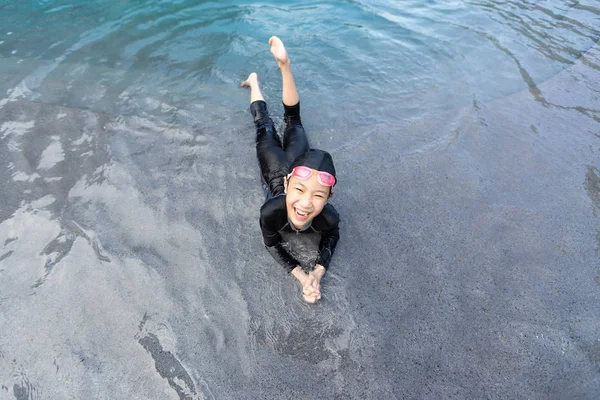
{"points": [[298, 181]]}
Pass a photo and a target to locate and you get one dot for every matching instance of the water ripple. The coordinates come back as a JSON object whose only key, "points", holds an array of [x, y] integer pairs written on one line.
{"points": [[130, 187]]}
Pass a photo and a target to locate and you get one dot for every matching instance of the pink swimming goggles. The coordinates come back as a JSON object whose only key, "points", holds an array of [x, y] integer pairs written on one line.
{"points": [[303, 173]]}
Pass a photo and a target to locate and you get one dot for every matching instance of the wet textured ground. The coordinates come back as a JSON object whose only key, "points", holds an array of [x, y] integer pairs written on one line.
{"points": [[467, 142]]}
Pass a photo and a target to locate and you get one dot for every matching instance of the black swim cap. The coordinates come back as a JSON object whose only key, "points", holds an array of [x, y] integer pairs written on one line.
{"points": [[315, 159]]}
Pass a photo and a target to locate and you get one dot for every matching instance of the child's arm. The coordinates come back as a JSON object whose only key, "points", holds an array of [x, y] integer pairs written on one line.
{"points": [[310, 291], [329, 221], [327, 247], [312, 284], [282, 256], [328, 224], [270, 213]]}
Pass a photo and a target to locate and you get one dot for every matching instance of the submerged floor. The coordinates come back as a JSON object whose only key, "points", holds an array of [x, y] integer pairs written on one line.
{"points": [[468, 265]]}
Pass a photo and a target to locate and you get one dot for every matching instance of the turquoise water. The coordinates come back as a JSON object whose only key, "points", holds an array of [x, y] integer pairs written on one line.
{"points": [[466, 138], [403, 59]]}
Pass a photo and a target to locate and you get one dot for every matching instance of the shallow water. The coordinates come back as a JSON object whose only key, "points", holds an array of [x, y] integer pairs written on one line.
{"points": [[466, 138]]}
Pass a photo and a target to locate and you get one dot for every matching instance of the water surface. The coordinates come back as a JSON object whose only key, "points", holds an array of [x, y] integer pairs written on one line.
{"points": [[466, 137]]}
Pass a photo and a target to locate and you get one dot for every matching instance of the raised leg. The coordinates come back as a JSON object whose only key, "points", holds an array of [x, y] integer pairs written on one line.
{"points": [[289, 93], [295, 141]]}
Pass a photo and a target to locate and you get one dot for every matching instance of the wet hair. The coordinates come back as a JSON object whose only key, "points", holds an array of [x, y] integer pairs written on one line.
{"points": [[315, 159]]}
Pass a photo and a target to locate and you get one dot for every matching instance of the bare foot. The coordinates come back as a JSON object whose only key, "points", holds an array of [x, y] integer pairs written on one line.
{"points": [[279, 52], [252, 80]]}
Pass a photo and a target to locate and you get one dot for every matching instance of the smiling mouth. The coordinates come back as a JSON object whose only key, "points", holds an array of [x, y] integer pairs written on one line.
{"points": [[302, 215]]}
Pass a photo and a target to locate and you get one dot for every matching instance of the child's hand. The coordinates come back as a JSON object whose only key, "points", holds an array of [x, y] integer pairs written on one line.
{"points": [[311, 290], [311, 287]]}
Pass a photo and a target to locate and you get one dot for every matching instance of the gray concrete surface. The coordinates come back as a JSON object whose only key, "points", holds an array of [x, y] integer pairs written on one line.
{"points": [[131, 264]]}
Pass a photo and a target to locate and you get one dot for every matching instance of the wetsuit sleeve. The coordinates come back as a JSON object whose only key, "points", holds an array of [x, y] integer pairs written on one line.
{"points": [[283, 257], [271, 217], [330, 234]]}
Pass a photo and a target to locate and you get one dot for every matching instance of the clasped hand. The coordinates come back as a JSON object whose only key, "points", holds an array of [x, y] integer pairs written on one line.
{"points": [[311, 282]]}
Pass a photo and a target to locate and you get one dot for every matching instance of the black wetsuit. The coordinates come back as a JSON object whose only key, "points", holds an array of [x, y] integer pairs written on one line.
{"points": [[274, 160]]}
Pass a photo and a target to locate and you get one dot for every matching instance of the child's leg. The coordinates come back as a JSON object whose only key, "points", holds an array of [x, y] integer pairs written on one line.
{"points": [[295, 141], [271, 157], [289, 93], [252, 83]]}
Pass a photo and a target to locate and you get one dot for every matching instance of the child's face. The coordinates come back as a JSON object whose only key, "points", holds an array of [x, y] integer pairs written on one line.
{"points": [[305, 199]]}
